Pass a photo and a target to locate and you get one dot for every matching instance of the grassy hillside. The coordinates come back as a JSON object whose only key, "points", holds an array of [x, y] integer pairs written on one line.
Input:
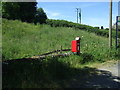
{"points": [[25, 40]]}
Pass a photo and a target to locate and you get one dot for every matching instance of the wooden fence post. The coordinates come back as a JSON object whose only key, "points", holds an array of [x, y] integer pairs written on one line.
{"points": [[61, 50]]}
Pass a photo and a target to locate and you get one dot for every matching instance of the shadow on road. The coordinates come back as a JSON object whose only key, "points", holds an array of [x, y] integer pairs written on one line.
{"points": [[100, 79], [53, 73]]}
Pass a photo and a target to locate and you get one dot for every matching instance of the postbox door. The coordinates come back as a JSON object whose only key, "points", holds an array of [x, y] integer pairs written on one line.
{"points": [[74, 46]]}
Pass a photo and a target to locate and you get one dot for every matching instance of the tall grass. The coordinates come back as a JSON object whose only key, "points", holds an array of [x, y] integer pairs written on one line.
{"points": [[25, 40]]}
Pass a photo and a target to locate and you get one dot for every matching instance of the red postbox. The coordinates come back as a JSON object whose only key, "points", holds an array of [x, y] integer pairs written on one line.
{"points": [[75, 45]]}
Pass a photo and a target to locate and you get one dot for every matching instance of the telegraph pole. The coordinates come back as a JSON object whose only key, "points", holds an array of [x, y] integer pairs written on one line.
{"points": [[110, 26], [78, 14], [119, 8]]}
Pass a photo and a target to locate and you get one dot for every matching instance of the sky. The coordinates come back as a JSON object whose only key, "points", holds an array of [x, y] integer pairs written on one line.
{"points": [[93, 13]]}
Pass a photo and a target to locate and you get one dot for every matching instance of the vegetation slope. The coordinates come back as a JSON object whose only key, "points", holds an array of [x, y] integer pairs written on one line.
{"points": [[24, 40], [20, 40]]}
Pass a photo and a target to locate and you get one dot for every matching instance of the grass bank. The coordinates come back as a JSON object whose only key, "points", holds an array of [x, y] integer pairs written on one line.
{"points": [[21, 40]]}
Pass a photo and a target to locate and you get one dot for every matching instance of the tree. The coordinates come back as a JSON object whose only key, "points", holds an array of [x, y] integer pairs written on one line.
{"points": [[40, 16], [10, 10], [102, 27], [24, 11]]}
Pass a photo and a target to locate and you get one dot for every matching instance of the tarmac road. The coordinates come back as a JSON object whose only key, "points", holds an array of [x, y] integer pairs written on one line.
{"points": [[108, 76]]}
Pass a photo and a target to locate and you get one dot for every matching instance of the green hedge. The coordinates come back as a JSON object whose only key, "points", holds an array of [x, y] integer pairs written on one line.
{"points": [[64, 23]]}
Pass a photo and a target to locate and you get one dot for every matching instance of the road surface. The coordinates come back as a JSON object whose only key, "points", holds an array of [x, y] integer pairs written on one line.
{"points": [[108, 76]]}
